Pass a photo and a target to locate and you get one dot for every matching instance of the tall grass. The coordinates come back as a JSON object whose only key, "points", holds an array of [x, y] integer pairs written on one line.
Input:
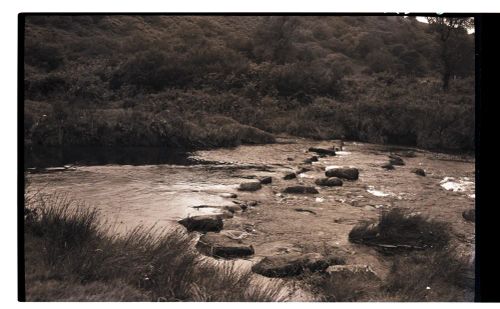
{"points": [[68, 245]]}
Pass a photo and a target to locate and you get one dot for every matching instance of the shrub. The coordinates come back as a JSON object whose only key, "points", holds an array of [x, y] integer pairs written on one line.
{"points": [[402, 229]]}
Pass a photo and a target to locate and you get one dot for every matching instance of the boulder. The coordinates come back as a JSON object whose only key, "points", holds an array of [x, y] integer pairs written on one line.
{"points": [[289, 176], [203, 223], [227, 244], [292, 264], [250, 186], [266, 180], [419, 172], [388, 166], [322, 151], [469, 215], [363, 272], [301, 190], [349, 173], [329, 182]]}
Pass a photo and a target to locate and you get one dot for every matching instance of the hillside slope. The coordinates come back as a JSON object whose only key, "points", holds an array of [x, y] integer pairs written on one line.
{"points": [[208, 81]]}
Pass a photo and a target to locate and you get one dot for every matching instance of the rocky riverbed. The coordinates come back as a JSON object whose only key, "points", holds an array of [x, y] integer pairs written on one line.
{"points": [[263, 221]]}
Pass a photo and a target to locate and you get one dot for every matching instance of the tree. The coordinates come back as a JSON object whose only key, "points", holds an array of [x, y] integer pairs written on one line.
{"points": [[450, 32]]}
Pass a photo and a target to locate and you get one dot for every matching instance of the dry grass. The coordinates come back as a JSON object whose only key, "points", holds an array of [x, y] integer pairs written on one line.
{"points": [[66, 245]]}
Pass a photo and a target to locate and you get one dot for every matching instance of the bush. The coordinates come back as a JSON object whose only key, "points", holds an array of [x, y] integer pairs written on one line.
{"points": [[401, 229]]}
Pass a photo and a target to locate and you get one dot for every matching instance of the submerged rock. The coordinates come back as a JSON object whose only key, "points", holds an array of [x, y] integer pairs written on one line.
{"points": [[322, 151], [419, 171], [329, 182], [250, 186], [364, 272], [227, 244], [289, 176], [349, 173], [301, 190], [228, 195], [203, 223], [266, 180], [291, 264], [469, 215]]}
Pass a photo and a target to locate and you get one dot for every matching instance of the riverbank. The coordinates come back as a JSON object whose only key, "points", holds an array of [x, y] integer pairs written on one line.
{"points": [[278, 224]]}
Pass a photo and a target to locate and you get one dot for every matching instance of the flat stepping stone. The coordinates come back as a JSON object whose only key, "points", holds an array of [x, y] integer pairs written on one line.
{"points": [[301, 190], [323, 151], [250, 186], [203, 223], [349, 173], [227, 244], [290, 264]]}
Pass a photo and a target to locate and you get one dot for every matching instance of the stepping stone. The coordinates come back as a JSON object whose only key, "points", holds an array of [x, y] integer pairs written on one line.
{"points": [[250, 186], [349, 173], [322, 151], [203, 223], [289, 176], [227, 244], [266, 180], [329, 182]]}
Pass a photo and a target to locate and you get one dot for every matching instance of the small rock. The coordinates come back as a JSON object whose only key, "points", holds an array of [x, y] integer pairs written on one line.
{"points": [[250, 186], [289, 159], [227, 244], [469, 215], [419, 172], [322, 151], [289, 176], [302, 170], [388, 166], [229, 195], [329, 182], [349, 173], [301, 190], [305, 210], [204, 223], [396, 160], [266, 180]]}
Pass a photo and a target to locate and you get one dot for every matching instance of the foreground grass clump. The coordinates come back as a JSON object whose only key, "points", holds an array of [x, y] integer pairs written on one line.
{"points": [[436, 272], [71, 255], [398, 228]]}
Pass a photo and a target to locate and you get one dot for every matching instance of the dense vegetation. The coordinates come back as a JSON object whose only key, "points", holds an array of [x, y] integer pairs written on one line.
{"points": [[207, 81]]}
